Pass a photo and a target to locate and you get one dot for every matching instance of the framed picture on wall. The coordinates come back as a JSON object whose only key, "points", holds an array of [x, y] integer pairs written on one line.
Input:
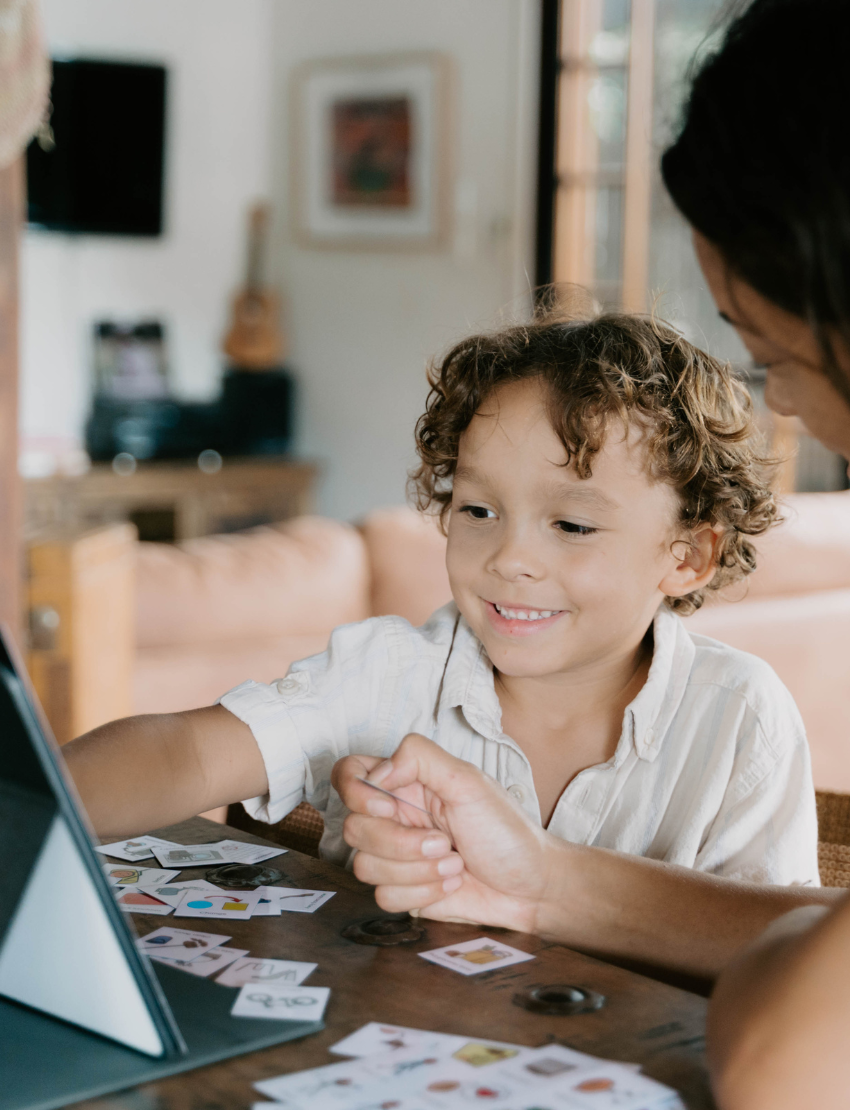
{"points": [[370, 152]]}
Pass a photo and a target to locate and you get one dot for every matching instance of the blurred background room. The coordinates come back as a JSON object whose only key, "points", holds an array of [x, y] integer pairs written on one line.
{"points": [[246, 227]]}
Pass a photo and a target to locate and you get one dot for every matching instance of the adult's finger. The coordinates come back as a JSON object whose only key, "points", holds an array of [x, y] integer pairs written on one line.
{"points": [[382, 872], [385, 837], [407, 805], [407, 899], [419, 760]]}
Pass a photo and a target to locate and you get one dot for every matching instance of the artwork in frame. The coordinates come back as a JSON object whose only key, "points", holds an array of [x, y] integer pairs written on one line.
{"points": [[370, 152]]}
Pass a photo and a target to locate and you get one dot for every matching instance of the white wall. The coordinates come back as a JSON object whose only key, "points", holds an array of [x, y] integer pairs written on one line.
{"points": [[217, 162], [363, 324]]}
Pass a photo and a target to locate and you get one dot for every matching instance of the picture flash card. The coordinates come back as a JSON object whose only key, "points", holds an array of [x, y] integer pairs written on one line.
{"points": [[474, 956]]}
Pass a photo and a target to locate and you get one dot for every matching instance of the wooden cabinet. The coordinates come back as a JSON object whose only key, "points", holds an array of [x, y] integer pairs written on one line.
{"points": [[173, 501]]}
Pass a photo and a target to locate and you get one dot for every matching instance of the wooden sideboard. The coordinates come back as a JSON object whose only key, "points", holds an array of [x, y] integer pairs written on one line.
{"points": [[173, 501]]}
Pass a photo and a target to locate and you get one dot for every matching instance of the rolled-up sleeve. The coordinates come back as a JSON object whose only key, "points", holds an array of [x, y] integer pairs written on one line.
{"points": [[328, 706]]}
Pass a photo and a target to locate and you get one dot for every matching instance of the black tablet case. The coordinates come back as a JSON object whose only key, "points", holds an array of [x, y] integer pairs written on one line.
{"points": [[45, 1063]]}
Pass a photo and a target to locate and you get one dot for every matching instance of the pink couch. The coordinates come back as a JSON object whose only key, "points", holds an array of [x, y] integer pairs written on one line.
{"points": [[215, 611]]}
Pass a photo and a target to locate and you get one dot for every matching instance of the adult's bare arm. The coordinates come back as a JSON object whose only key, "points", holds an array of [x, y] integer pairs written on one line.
{"points": [[516, 875], [140, 773], [779, 1016]]}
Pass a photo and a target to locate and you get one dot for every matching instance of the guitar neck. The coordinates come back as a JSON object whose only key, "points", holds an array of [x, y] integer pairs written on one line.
{"points": [[256, 249]]}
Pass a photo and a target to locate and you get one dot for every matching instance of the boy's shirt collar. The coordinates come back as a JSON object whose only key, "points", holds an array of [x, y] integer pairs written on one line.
{"points": [[468, 685]]}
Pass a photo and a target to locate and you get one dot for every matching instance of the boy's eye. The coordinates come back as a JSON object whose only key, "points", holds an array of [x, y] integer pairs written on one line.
{"points": [[574, 529], [477, 512]]}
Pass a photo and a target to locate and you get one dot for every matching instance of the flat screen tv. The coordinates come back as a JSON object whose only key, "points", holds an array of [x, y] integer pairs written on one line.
{"points": [[104, 173]]}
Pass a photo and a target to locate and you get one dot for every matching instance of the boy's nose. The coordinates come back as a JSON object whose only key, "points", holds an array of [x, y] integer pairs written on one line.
{"points": [[514, 559]]}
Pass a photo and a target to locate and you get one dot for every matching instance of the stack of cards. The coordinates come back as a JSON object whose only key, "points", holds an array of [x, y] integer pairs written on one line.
{"points": [[150, 890], [207, 855], [411, 1069], [170, 854], [268, 988]]}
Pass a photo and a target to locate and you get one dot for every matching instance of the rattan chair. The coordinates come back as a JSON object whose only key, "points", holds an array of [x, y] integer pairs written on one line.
{"points": [[834, 838], [301, 830]]}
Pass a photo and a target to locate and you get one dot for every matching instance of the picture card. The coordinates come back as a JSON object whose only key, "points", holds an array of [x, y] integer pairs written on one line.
{"points": [[289, 972], [396, 1076], [118, 874], [376, 1038], [136, 899], [207, 964], [303, 901], [269, 903], [239, 852], [474, 956], [280, 1003], [190, 855], [180, 944], [140, 847], [175, 893], [236, 905]]}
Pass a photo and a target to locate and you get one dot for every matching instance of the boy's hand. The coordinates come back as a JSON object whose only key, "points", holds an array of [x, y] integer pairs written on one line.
{"points": [[497, 873]]}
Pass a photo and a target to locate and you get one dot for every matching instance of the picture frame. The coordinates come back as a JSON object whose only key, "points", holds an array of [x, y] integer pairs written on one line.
{"points": [[370, 152]]}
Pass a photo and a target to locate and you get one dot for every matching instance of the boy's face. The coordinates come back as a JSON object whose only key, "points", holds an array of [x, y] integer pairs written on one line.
{"points": [[555, 573]]}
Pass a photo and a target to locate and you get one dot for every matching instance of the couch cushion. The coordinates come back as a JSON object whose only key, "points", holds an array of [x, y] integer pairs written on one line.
{"points": [[810, 550], [171, 679], [302, 578], [407, 554]]}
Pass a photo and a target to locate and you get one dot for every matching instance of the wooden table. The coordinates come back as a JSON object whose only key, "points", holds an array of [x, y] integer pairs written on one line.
{"points": [[659, 1026]]}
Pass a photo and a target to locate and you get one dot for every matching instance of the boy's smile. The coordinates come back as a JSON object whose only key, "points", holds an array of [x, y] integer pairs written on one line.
{"points": [[518, 620], [558, 576]]}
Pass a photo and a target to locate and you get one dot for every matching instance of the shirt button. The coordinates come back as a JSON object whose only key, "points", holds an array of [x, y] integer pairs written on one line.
{"points": [[288, 685], [517, 793]]}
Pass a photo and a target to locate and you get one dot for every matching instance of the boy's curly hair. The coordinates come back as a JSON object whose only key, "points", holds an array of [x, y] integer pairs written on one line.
{"points": [[697, 416]]}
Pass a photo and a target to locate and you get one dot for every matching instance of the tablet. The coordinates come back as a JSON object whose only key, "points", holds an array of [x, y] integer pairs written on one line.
{"points": [[75, 989]]}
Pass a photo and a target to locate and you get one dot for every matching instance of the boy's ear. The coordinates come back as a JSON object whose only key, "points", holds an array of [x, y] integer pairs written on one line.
{"points": [[696, 562]]}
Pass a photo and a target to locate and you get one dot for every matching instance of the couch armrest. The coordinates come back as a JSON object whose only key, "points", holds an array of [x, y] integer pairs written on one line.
{"points": [[80, 595]]}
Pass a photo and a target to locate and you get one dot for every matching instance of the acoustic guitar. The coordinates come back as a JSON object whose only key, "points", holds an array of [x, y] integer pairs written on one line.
{"points": [[254, 340]]}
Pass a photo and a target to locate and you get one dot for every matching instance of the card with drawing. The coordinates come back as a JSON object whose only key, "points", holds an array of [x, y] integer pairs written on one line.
{"points": [[181, 944], [303, 901], [175, 893], [376, 1038], [237, 851], [280, 1003], [289, 972], [135, 899], [118, 874], [269, 903], [190, 855], [474, 956], [234, 904], [140, 847], [208, 963]]}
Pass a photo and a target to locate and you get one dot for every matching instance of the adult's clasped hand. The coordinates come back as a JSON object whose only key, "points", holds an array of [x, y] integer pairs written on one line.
{"points": [[482, 860]]}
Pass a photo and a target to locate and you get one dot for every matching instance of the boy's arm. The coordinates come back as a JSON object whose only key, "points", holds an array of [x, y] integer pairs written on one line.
{"points": [[779, 1016], [141, 773]]}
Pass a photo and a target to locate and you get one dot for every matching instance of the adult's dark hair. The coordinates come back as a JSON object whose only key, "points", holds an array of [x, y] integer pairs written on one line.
{"points": [[762, 164]]}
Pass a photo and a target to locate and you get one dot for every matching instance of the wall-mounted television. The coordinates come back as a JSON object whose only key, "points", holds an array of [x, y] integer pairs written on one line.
{"points": [[103, 175]]}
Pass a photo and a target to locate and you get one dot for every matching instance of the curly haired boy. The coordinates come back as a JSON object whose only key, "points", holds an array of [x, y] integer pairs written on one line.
{"points": [[596, 479]]}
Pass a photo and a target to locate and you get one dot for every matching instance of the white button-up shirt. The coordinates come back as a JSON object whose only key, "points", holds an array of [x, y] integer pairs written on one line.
{"points": [[711, 771]]}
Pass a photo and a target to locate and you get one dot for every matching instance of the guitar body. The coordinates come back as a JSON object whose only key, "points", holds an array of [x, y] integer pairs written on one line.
{"points": [[254, 340]]}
